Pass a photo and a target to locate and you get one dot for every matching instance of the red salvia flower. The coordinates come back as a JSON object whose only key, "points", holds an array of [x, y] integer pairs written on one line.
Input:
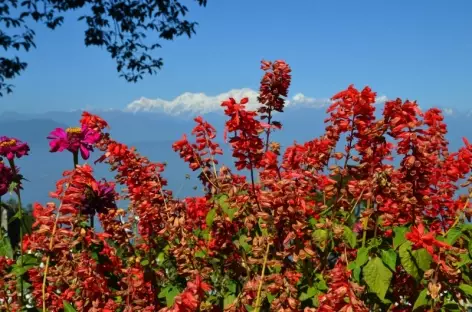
{"points": [[246, 143], [421, 239], [93, 122], [189, 300], [304, 220], [272, 92], [340, 289]]}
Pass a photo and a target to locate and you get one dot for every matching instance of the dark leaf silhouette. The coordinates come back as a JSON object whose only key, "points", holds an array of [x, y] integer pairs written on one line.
{"points": [[121, 26]]}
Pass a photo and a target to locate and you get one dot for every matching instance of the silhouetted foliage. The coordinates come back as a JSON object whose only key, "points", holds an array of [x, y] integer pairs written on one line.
{"points": [[121, 26], [14, 223]]}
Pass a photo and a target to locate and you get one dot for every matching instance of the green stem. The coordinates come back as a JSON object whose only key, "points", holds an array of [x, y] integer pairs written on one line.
{"points": [[20, 218], [258, 298], [365, 223], [76, 158], [269, 119], [376, 227]]}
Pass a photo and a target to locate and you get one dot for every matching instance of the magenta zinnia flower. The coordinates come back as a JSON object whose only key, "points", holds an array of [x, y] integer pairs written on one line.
{"points": [[73, 140], [10, 147], [100, 198], [6, 177]]}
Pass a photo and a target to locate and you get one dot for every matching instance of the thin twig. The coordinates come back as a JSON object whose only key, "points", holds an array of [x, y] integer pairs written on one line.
{"points": [[258, 298], [355, 205], [46, 267]]}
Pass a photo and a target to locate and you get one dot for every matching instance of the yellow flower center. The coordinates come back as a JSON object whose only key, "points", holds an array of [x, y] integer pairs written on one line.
{"points": [[74, 130], [8, 143]]}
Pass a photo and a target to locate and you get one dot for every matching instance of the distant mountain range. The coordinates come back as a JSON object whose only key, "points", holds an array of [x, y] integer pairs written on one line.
{"points": [[153, 134]]}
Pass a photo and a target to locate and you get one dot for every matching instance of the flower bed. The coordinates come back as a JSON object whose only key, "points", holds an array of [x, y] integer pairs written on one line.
{"points": [[333, 224]]}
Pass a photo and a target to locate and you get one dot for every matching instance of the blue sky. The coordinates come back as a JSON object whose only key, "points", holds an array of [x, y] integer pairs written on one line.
{"points": [[410, 49]]}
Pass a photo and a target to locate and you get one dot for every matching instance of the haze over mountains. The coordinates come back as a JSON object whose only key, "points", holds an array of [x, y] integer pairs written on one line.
{"points": [[151, 126]]}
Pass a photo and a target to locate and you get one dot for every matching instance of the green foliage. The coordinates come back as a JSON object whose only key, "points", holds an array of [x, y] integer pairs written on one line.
{"points": [[377, 277], [320, 236], [408, 261], [350, 237], [14, 222], [467, 289], [414, 261], [422, 300], [169, 292], [399, 237], [5, 247], [20, 268], [453, 234], [68, 307], [389, 257], [222, 201], [422, 258]]}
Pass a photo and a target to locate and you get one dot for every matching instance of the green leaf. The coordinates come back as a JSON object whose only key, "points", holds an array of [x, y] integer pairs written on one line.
{"points": [[222, 200], [357, 274], [350, 237], [422, 299], [95, 255], [423, 259], [228, 300], [200, 254], [243, 243], [464, 260], [320, 236], [160, 258], [26, 286], [321, 284], [270, 297], [389, 257], [232, 286], [68, 307], [467, 289], [399, 237], [469, 246], [145, 262], [169, 292], [361, 259], [206, 234], [13, 186], [263, 228], [210, 217], [374, 242], [16, 216], [452, 235], [362, 256], [466, 227], [310, 293], [29, 261], [408, 261], [5, 247], [377, 277], [223, 203], [450, 307]]}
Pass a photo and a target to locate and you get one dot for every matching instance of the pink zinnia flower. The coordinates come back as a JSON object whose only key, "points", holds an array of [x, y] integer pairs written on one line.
{"points": [[10, 147], [73, 140], [99, 199], [6, 177]]}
